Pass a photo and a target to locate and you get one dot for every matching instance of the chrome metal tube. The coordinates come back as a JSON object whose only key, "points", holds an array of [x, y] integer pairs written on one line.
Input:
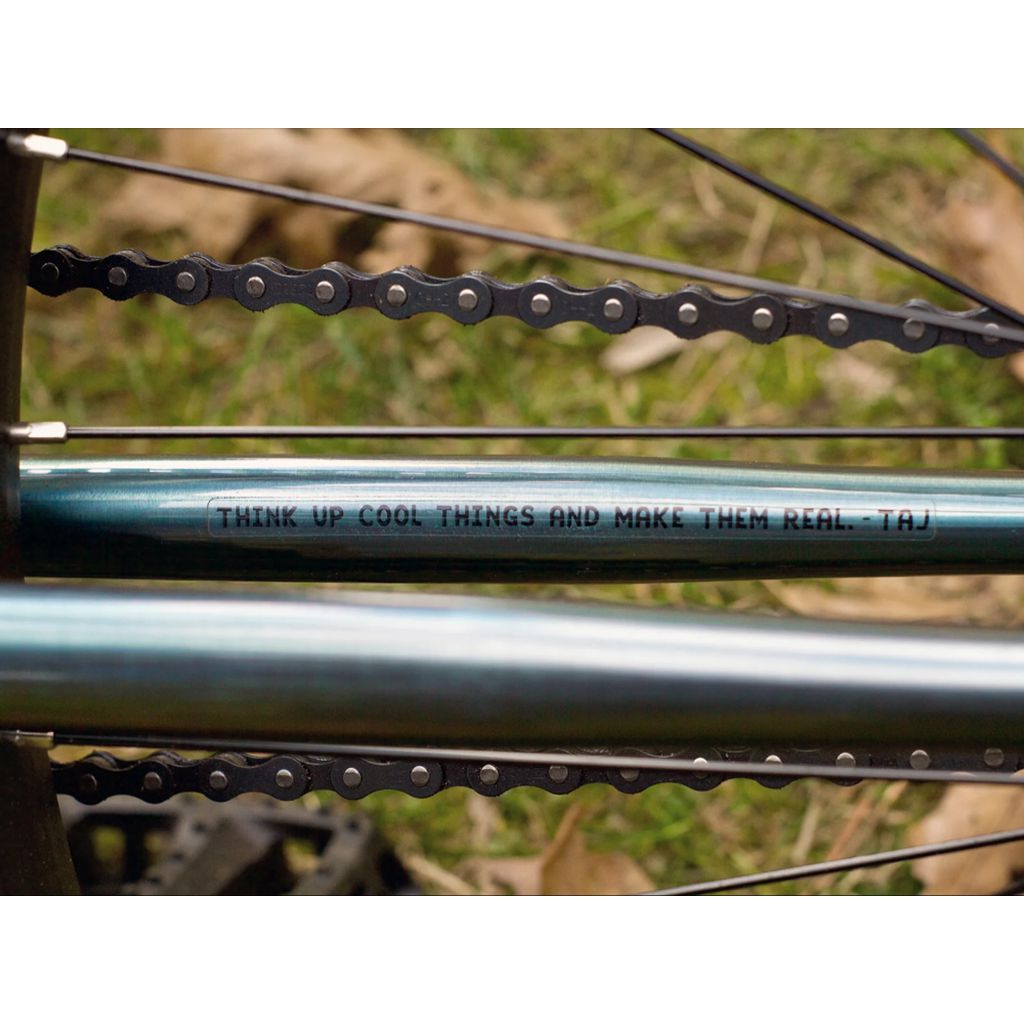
{"points": [[411, 669], [406, 519]]}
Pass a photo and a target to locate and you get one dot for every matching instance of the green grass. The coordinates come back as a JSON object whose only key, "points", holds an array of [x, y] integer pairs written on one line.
{"points": [[92, 361]]}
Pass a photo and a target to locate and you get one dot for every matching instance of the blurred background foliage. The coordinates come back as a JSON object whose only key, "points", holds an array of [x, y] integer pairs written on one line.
{"points": [[88, 360]]}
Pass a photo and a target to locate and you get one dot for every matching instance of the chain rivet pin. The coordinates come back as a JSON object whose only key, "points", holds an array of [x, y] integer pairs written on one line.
{"points": [[920, 759], [838, 324], [540, 304], [614, 309], [913, 330], [688, 314]]}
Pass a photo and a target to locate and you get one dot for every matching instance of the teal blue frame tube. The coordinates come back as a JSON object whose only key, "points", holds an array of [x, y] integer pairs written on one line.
{"points": [[494, 519], [401, 669]]}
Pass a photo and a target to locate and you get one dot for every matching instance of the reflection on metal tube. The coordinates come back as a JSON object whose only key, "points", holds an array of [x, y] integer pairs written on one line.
{"points": [[411, 669], [377, 519]]}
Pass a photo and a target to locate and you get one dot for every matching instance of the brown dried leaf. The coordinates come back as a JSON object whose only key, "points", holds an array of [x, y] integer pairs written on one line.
{"points": [[983, 229], [636, 350], [966, 811], [985, 234], [565, 868], [952, 599], [376, 166], [846, 375], [437, 876], [569, 868]]}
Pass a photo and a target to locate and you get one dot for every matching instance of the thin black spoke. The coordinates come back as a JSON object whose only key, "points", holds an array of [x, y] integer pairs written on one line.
{"points": [[544, 243], [830, 867], [983, 149], [107, 433], [827, 217]]}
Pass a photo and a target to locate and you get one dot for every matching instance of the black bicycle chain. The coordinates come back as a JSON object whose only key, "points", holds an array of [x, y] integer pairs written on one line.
{"points": [[691, 312], [223, 776]]}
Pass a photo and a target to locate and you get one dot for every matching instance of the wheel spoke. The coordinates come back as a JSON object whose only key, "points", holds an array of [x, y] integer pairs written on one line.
{"points": [[984, 150], [831, 867], [819, 213], [20, 433]]}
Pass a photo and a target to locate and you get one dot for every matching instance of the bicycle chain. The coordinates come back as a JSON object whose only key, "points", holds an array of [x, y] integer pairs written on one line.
{"points": [[224, 776], [691, 312]]}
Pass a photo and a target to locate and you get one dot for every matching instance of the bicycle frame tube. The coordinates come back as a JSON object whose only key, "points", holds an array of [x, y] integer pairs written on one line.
{"points": [[488, 519], [412, 669]]}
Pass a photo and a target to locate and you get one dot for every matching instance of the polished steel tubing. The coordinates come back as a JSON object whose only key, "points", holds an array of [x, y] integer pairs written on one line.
{"points": [[406, 668], [503, 519]]}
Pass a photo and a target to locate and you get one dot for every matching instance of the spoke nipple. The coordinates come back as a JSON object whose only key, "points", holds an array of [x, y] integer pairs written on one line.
{"points": [[558, 773], [773, 759], [284, 778], [186, 281], [688, 314], [913, 330], [88, 783], [50, 273], [396, 295], [991, 335], [703, 763], [488, 774], [352, 777], [255, 287], [614, 309], [468, 300], [43, 147], [762, 318], [218, 780], [838, 324], [629, 774], [846, 760], [324, 291], [117, 276], [540, 304], [994, 757], [151, 782], [920, 759], [420, 775]]}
